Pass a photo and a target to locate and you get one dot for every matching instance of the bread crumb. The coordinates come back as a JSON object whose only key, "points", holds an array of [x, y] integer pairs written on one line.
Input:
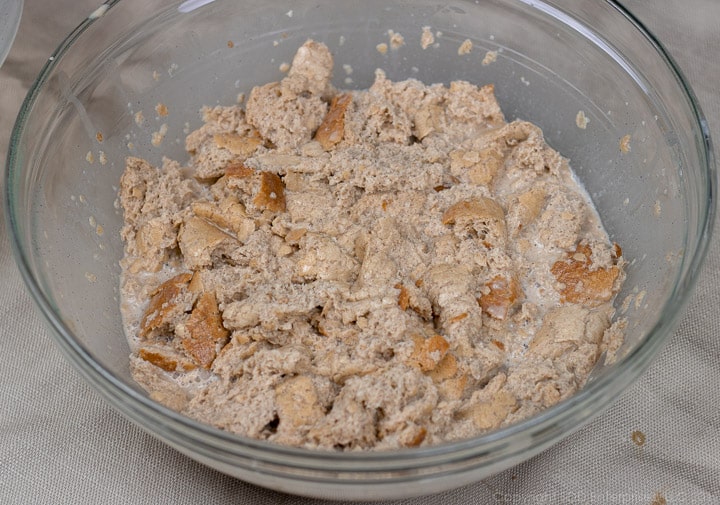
{"points": [[465, 47], [639, 299], [159, 136], [427, 38], [581, 120], [625, 144], [230, 44], [90, 277], [382, 48], [89, 157], [657, 208], [139, 118], [156, 75], [102, 157], [396, 40], [490, 57], [348, 69], [284, 67], [161, 109], [99, 230], [99, 136], [627, 301]]}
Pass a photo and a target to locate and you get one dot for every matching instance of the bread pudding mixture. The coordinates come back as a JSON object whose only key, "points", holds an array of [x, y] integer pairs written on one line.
{"points": [[371, 269]]}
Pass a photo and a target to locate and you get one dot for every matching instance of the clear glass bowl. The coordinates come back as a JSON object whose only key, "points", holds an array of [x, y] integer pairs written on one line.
{"points": [[555, 58], [10, 13]]}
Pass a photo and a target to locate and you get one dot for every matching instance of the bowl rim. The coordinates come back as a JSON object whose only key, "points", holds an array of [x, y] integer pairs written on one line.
{"points": [[178, 427]]}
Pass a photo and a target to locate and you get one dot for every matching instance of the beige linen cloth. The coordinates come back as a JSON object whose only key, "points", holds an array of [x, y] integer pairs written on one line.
{"points": [[61, 444]]}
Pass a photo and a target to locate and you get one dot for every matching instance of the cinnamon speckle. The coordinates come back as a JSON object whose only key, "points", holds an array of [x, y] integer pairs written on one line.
{"points": [[659, 499], [638, 438]]}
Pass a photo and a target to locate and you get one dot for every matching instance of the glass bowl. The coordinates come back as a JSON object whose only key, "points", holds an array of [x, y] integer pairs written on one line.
{"points": [[10, 13], [554, 59]]}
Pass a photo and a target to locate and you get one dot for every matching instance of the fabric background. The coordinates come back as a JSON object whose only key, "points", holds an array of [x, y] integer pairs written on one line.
{"points": [[61, 444]]}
